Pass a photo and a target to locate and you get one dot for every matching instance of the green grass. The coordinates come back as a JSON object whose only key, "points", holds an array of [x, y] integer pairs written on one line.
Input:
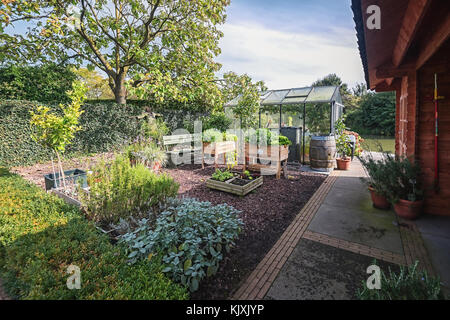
{"points": [[371, 143], [40, 236]]}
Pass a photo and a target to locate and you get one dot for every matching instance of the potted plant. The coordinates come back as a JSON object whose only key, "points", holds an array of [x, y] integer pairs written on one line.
{"points": [[55, 132], [377, 180], [406, 191], [342, 146], [148, 153]]}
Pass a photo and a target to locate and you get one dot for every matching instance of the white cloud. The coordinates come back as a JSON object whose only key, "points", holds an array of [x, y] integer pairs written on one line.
{"points": [[286, 59]]}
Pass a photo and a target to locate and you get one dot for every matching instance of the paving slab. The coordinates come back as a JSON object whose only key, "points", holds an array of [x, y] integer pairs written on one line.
{"points": [[315, 271], [435, 232], [347, 213]]}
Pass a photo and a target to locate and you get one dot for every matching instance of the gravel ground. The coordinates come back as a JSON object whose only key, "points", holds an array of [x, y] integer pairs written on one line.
{"points": [[266, 212]]}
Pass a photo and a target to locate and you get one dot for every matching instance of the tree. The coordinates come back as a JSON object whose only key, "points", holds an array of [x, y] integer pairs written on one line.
{"points": [[234, 85], [97, 86], [159, 48], [376, 114], [56, 132]]}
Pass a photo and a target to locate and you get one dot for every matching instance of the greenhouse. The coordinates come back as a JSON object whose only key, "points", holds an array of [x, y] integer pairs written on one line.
{"points": [[297, 113]]}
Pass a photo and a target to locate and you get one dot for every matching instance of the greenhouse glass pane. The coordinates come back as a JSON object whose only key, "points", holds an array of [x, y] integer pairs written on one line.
{"points": [[294, 100], [301, 92], [234, 102], [320, 94], [276, 97]]}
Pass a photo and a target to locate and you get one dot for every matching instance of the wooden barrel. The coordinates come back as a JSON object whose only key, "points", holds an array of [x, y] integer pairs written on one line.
{"points": [[322, 153]]}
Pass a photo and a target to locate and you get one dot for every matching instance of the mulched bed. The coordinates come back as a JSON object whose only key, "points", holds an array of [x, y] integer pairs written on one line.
{"points": [[35, 173], [266, 212]]}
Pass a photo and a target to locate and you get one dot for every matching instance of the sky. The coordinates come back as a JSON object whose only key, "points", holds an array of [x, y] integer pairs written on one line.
{"points": [[291, 43]]}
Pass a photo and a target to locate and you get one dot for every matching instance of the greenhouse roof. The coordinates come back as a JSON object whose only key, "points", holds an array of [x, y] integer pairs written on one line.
{"points": [[295, 96]]}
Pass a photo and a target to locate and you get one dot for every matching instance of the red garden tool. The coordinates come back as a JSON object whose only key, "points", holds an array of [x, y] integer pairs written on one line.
{"points": [[436, 135]]}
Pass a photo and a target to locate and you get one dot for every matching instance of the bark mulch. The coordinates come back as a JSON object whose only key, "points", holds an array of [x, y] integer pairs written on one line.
{"points": [[266, 212]]}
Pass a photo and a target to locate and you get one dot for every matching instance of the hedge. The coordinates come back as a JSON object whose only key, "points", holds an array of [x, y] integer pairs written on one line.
{"points": [[105, 126], [40, 236], [47, 83]]}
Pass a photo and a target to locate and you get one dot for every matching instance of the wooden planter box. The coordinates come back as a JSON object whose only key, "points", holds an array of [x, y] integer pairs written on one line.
{"points": [[68, 199], [267, 152], [275, 153], [227, 186]]}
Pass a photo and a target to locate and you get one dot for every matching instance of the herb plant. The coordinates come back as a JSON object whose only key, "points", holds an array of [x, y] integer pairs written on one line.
{"points": [[408, 284], [222, 175], [119, 190], [190, 235]]}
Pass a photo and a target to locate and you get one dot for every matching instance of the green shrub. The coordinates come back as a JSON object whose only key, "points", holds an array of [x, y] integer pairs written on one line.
{"points": [[40, 236], [409, 284], [154, 128], [120, 190], [378, 177], [263, 136], [105, 127], [46, 84], [216, 121], [147, 153], [191, 235], [405, 181]]}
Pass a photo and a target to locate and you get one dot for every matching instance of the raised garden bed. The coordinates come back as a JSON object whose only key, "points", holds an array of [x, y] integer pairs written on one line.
{"points": [[68, 198], [235, 185]]}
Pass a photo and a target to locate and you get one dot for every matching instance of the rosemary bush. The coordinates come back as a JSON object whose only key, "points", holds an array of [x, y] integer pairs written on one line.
{"points": [[119, 190], [408, 284]]}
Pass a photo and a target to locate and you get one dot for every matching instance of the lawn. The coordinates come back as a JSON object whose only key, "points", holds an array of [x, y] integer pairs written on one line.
{"points": [[372, 143]]}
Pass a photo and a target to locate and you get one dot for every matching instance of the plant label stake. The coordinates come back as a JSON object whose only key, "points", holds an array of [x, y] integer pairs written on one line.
{"points": [[436, 135]]}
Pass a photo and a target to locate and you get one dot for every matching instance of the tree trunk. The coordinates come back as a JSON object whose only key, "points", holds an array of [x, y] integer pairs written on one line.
{"points": [[120, 92]]}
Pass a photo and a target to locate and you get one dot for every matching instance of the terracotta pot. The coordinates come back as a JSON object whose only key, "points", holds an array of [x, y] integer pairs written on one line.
{"points": [[408, 209], [378, 200], [343, 164], [156, 166]]}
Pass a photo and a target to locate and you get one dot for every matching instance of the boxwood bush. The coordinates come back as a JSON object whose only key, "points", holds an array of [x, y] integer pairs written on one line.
{"points": [[40, 236], [105, 126]]}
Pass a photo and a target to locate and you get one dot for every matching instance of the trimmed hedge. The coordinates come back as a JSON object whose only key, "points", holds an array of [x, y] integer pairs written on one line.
{"points": [[105, 126], [40, 236], [44, 83]]}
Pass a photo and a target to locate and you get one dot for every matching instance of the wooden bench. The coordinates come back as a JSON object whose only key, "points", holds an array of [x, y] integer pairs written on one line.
{"points": [[186, 142]]}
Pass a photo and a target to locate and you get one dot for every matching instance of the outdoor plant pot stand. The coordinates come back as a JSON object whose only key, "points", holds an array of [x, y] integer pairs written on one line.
{"points": [[266, 154], [216, 149]]}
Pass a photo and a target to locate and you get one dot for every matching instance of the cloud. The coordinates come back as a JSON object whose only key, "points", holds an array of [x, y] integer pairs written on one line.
{"points": [[285, 59]]}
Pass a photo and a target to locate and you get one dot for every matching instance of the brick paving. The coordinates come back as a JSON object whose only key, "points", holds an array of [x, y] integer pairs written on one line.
{"points": [[356, 247], [414, 247], [260, 280]]}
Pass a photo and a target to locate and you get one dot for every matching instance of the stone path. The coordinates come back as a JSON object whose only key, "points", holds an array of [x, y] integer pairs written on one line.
{"points": [[325, 252]]}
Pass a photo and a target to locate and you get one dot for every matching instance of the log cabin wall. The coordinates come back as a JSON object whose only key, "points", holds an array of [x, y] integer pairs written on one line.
{"points": [[435, 203]]}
